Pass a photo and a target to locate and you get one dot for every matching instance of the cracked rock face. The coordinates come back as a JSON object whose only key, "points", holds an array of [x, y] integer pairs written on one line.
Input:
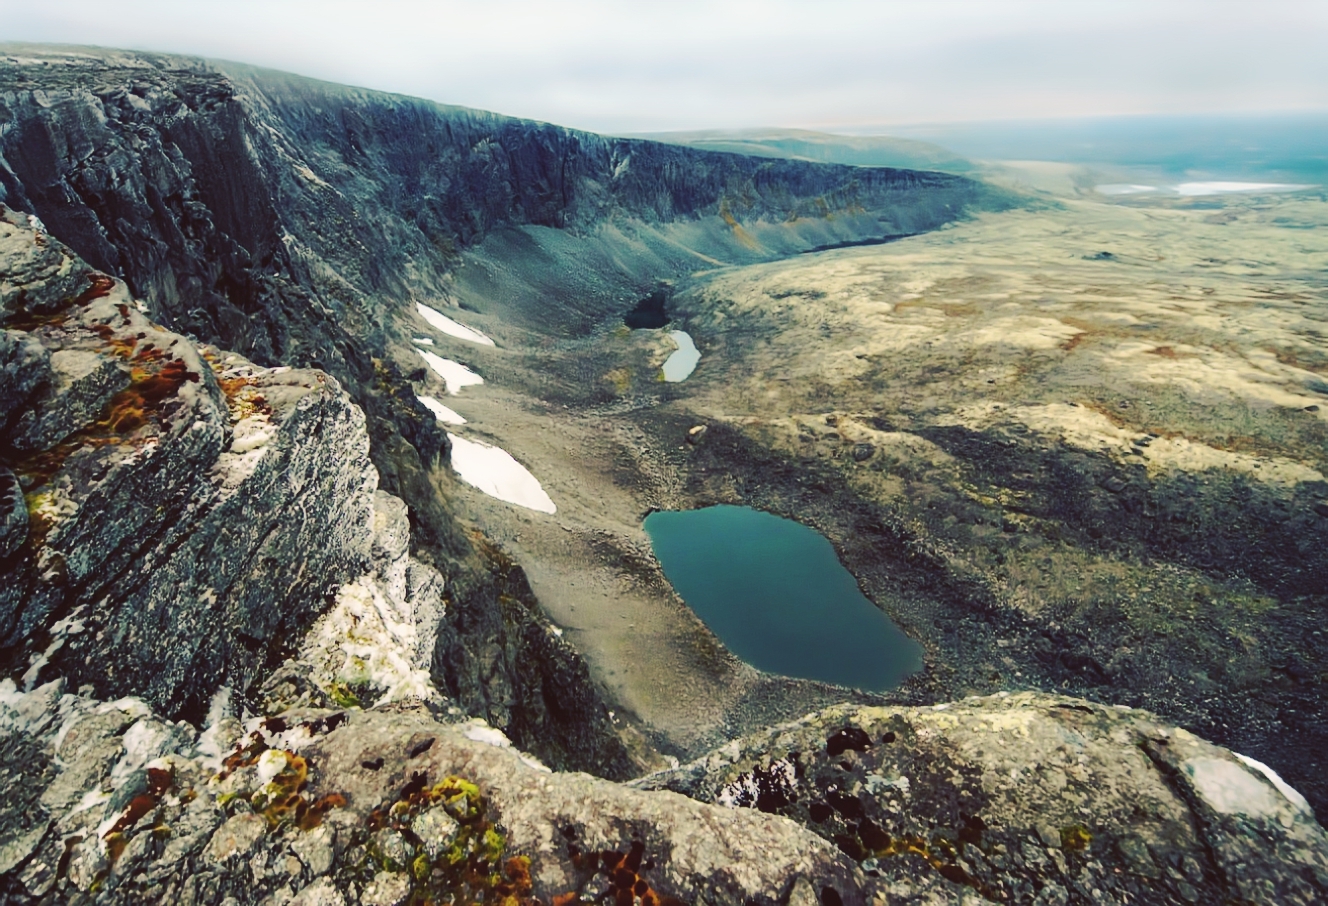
{"points": [[181, 509], [1026, 798], [111, 804]]}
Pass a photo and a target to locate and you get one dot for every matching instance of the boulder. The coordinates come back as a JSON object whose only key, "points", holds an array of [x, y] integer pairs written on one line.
{"points": [[1026, 798]]}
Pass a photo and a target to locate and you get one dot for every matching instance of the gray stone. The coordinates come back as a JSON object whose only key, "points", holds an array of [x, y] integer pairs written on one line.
{"points": [[24, 367], [436, 830], [236, 839], [388, 888], [220, 502], [320, 893], [1116, 790], [391, 850], [82, 383], [315, 850]]}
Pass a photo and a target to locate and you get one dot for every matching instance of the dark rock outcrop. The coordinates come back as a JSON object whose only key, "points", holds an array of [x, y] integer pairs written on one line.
{"points": [[185, 511], [1026, 798], [174, 518]]}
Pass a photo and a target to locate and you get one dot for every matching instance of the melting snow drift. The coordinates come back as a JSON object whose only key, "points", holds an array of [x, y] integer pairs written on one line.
{"points": [[454, 374], [440, 321], [443, 413], [497, 474]]}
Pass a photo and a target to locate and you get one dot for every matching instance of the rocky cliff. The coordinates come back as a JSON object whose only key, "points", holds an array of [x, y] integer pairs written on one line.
{"points": [[295, 222], [234, 669]]}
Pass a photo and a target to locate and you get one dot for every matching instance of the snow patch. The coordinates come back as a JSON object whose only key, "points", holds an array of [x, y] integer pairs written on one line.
{"points": [[680, 365], [1221, 187], [454, 374], [441, 412], [479, 731], [1291, 793], [1230, 788], [423, 341], [440, 321], [496, 473]]}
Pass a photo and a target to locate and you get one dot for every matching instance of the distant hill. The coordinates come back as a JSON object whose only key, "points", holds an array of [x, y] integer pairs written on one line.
{"points": [[823, 147]]}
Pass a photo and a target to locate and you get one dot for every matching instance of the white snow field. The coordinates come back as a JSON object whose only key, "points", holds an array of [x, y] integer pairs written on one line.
{"points": [[440, 321], [496, 473]]}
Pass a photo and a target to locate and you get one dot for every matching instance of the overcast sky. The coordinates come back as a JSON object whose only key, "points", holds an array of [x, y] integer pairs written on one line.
{"points": [[636, 66]]}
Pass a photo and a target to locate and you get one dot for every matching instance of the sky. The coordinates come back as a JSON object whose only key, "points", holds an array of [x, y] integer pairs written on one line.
{"points": [[851, 65]]}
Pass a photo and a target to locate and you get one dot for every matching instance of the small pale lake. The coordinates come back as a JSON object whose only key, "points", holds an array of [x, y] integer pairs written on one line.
{"points": [[776, 595]]}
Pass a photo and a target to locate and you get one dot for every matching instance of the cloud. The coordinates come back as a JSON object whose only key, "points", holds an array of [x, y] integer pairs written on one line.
{"points": [[631, 66]]}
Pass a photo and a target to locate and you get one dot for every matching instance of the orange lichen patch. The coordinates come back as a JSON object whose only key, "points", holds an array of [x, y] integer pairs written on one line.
{"points": [[232, 386], [130, 409], [127, 411], [623, 872], [311, 817], [940, 851], [160, 782], [282, 801], [244, 756], [99, 285]]}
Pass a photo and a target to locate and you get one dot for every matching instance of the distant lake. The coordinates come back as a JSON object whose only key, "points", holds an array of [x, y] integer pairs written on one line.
{"points": [[776, 595], [683, 361], [1191, 189]]}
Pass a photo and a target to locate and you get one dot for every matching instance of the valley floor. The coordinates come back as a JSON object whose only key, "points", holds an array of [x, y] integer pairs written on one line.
{"points": [[1098, 435]]}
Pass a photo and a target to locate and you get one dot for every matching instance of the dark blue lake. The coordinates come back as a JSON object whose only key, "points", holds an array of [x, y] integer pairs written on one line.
{"points": [[776, 595]]}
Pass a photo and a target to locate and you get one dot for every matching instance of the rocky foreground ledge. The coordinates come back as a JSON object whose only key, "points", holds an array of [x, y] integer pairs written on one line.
{"points": [[217, 651], [1024, 798]]}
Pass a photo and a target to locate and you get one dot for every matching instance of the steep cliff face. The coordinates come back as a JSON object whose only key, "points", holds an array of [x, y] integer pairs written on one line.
{"points": [[295, 222], [188, 510], [289, 218], [174, 518]]}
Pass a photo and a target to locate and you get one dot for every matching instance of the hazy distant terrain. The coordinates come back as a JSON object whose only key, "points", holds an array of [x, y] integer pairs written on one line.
{"points": [[800, 144], [1288, 147]]}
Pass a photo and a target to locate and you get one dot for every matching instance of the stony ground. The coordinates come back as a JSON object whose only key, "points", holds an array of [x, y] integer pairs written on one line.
{"points": [[1078, 447]]}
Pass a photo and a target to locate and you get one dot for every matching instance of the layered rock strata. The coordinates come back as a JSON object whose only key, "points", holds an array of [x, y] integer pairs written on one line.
{"points": [[188, 511]]}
